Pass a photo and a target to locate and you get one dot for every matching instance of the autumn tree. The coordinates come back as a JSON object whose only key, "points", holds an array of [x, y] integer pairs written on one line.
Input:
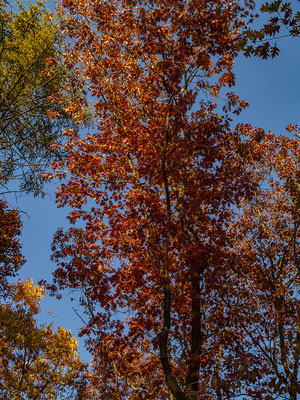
{"points": [[36, 362], [265, 297], [155, 191], [159, 179], [11, 259], [31, 74]]}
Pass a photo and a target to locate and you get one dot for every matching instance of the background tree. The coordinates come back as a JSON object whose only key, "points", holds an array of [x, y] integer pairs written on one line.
{"points": [[31, 74], [265, 297], [36, 363], [11, 259]]}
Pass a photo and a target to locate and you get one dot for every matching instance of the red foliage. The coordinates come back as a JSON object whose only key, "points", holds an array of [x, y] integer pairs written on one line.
{"points": [[156, 191], [11, 258]]}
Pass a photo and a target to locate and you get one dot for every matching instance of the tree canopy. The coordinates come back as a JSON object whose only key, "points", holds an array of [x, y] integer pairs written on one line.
{"points": [[35, 361], [31, 74], [177, 244], [184, 237]]}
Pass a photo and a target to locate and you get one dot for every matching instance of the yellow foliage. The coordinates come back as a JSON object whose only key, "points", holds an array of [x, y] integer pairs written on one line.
{"points": [[35, 361], [28, 294]]}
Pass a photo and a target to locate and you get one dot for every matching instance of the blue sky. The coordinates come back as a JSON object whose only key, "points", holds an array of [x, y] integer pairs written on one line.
{"points": [[271, 87]]}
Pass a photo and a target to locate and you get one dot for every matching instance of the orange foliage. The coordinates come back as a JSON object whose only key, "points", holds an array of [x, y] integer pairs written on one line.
{"points": [[163, 195]]}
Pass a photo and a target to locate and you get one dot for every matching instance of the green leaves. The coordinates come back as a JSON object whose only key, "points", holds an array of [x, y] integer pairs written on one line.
{"points": [[30, 75]]}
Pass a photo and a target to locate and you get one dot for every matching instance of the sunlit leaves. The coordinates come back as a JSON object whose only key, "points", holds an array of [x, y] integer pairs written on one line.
{"points": [[156, 246], [35, 361], [31, 74]]}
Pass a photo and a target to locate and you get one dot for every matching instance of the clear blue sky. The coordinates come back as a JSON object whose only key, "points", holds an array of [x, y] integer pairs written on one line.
{"points": [[271, 87]]}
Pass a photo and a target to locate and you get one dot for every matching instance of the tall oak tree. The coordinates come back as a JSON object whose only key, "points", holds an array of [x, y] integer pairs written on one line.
{"points": [[156, 191]]}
